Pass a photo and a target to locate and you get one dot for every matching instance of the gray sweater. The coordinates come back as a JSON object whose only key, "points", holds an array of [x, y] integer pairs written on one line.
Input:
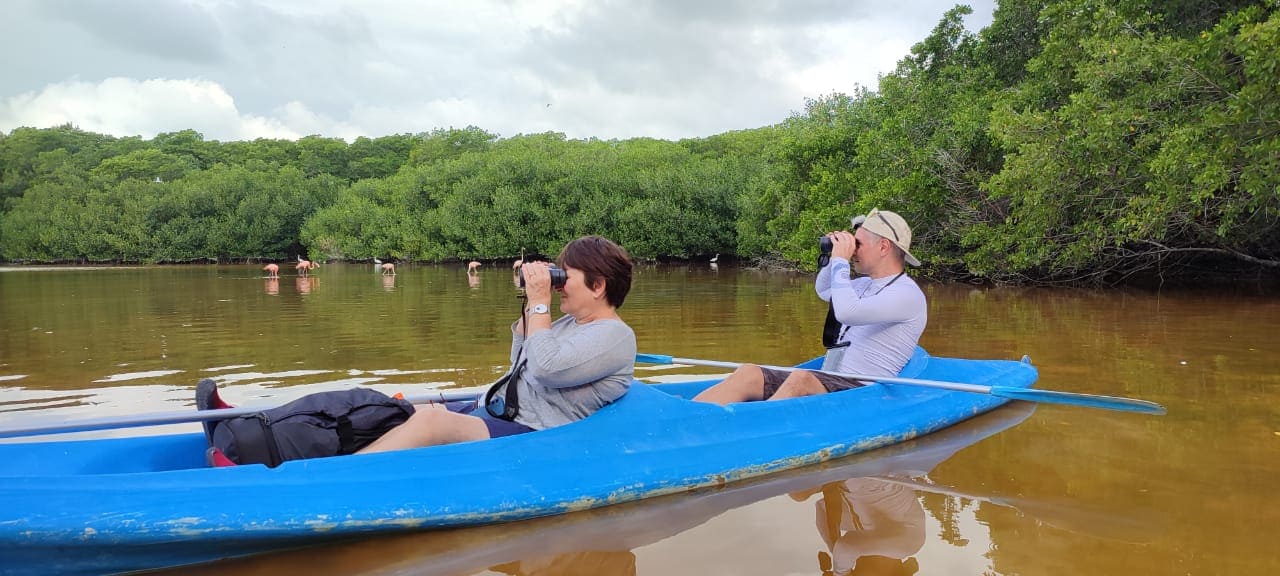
{"points": [[573, 370]]}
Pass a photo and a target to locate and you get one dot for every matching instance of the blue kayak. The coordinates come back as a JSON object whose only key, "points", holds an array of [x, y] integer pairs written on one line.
{"points": [[121, 504], [616, 530]]}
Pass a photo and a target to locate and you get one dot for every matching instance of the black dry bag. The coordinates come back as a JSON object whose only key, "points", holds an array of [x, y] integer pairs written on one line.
{"points": [[316, 425]]}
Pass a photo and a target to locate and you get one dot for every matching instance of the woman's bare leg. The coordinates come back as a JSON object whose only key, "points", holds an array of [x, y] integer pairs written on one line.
{"points": [[430, 426]]}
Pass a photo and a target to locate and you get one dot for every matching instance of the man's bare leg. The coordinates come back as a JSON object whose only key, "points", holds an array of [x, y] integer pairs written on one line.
{"points": [[744, 385], [799, 383]]}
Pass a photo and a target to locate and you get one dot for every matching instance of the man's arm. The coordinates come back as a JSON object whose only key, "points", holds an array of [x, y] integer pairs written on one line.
{"points": [[823, 283], [873, 307]]}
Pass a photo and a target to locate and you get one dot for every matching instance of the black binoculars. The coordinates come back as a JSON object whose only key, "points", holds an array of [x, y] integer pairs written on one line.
{"points": [[825, 245], [558, 277]]}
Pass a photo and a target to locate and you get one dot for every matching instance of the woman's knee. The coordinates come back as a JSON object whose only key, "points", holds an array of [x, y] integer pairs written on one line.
{"points": [[445, 427], [423, 422]]}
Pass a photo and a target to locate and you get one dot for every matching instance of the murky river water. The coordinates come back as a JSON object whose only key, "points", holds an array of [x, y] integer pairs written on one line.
{"points": [[1049, 490]]}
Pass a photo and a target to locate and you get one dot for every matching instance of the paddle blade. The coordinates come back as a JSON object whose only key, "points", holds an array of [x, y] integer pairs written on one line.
{"points": [[1074, 399], [653, 359]]}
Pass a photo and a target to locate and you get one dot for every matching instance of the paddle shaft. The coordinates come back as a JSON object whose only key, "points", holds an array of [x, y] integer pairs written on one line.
{"points": [[184, 416], [943, 490], [1013, 393], [1066, 516]]}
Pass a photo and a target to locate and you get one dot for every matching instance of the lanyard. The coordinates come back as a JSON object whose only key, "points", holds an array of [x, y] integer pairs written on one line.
{"points": [[510, 380], [890, 283]]}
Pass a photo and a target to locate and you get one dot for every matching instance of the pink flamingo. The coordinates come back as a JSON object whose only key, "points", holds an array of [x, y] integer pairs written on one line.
{"points": [[273, 270], [515, 272], [471, 267], [305, 266], [388, 269]]}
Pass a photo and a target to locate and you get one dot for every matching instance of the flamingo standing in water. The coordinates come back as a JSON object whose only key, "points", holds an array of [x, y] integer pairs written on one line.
{"points": [[305, 266], [273, 270], [471, 267], [388, 269]]}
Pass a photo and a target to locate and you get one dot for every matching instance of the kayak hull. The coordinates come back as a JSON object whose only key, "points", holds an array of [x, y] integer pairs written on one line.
{"points": [[612, 530], [135, 503]]}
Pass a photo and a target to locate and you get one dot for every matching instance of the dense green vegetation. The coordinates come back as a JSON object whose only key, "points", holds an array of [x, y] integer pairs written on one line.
{"points": [[1075, 141]]}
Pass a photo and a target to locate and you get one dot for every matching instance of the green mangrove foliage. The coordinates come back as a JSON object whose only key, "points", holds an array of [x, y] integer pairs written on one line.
{"points": [[1073, 141], [533, 193], [1080, 141]]}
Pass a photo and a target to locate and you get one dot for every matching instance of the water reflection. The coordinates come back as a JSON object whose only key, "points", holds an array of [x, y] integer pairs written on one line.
{"points": [[305, 284], [389, 282], [1210, 356], [870, 526], [607, 541], [271, 286], [590, 563], [515, 273]]}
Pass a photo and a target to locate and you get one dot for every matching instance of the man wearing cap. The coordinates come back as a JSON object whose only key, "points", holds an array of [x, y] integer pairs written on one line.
{"points": [[881, 316]]}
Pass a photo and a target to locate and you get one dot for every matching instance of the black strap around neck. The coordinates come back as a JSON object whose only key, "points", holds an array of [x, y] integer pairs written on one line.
{"points": [[511, 380], [890, 283], [831, 328]]}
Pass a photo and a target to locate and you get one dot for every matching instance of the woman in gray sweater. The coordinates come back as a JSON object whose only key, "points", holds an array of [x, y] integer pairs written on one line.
{"points": [[572, 367]]}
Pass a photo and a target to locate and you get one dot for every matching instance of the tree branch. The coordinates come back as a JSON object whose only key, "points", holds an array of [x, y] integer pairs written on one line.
{"points": [[1222, 251]]}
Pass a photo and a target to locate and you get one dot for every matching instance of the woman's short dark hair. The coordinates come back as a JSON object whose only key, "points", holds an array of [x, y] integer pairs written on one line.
{"points": [[600, 259]]}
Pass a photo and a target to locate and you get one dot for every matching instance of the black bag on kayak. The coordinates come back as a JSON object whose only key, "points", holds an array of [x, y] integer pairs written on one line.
{"points": [[316, 425]]}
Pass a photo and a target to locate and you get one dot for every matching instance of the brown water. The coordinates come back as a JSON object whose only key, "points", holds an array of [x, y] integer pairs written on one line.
{"points": [[1066, 490]]}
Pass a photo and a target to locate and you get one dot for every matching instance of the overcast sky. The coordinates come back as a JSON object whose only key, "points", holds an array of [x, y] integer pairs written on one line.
{"points": [[236, 69]]}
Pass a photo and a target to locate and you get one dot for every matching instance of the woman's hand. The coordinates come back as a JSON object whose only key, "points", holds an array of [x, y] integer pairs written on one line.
{"points": [[537, 282], [537, 290], [843, 245]]}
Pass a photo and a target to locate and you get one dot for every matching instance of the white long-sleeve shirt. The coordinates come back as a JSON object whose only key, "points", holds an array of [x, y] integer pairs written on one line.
{"points": [[877, 518], [882, 318]]}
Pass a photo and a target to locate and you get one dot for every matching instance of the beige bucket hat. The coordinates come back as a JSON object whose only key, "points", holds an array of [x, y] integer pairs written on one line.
{"points": [[891, 226]]}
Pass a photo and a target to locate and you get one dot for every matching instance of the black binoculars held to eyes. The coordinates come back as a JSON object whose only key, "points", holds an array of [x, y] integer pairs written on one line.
{"points": [[558, 277], [825, 245]]}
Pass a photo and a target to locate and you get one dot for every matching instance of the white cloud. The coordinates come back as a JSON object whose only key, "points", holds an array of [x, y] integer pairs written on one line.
{"points": [[124, 106], [587, 68]]}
